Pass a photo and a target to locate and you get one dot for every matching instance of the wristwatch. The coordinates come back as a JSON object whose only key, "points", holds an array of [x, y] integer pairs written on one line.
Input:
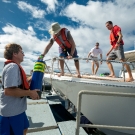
{"points": [[42, 55]]}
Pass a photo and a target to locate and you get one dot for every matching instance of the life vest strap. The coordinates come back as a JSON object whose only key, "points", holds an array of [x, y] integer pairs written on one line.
{"points": [[64, 38], [25, 84]]}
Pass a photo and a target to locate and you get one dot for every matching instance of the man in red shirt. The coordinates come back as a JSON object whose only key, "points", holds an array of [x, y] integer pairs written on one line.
{"points": [[116, 50]]}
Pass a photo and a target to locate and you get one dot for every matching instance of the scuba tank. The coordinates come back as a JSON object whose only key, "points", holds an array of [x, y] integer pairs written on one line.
{"points": [[37, 76]]}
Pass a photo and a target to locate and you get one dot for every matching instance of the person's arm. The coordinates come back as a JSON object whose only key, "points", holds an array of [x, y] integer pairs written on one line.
{"points": [[119, 39], [88, 56], [17, 92], [109, 51], [29, 78], [47, 48], [101, 58], [69, 37]]}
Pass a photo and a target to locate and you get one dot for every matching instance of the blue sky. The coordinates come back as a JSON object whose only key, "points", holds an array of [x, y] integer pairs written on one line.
{"points": [[27, 23]]}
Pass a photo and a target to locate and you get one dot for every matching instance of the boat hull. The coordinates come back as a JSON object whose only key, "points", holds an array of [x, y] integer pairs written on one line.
{"points": [[104, 110]]}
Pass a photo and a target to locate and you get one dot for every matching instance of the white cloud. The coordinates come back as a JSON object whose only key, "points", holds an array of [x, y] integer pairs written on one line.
{"points": [[29, 42], [6, 1], [50, 4], [91, 25], [34, 11], [92, 18], [96, 13], [90, 29]]}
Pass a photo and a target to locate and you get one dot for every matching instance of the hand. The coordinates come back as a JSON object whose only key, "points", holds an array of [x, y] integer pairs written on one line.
{"points": [[107, 53], [33, 94], [87, 61], [41, 57], [69, 57], [100, 62], [29, 79], [116, 47]]}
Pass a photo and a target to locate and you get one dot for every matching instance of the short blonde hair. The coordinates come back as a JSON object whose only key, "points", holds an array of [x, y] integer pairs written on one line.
{"points": [[10, 49]]}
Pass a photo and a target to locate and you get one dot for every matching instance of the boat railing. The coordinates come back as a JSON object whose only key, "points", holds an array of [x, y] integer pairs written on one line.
{"points": [[114, 61], [79, 101]]}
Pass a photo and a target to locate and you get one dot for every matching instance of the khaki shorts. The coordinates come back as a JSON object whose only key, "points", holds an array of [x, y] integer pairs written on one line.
{"points": [[95, 59]]}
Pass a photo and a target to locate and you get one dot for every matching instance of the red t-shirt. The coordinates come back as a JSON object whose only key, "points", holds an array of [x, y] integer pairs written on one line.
{"points": [[114, 36]]}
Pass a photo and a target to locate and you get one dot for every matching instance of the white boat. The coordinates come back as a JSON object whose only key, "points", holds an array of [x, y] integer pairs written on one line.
{"points": [[104, 110]]}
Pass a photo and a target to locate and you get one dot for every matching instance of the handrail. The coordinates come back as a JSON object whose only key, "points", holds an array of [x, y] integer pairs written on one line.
{"points": [[78, 125], [58, 58]]}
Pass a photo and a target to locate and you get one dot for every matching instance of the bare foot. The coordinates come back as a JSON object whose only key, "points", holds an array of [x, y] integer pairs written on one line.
{"points": [[129, 80], [61, 74], [79, 76], [113, 76]]}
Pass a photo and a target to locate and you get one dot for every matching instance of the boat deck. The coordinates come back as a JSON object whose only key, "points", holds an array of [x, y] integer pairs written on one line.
{"points": [[94, 77]]}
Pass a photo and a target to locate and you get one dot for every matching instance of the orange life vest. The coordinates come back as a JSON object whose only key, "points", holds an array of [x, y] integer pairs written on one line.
{"points": [[64, 38], [114, 37], [25, 84]]}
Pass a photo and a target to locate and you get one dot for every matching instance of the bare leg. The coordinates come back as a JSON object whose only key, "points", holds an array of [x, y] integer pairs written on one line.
{"points": [[112, 74], [130, 79], [25, 131], [92, 67], [61, 67], [97, 66], [77, 69]]}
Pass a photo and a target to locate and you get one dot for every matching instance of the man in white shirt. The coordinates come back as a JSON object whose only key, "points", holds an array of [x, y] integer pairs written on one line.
{"points": [[94, 52]]}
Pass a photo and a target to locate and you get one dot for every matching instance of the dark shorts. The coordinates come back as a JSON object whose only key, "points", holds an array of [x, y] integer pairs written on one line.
{"points": [[119, 53], [13, 125], [64, 52]]}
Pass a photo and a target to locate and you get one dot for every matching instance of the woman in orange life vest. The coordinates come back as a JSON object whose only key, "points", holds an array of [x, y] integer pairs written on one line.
{"points": [[116, 50], [66, 46]]}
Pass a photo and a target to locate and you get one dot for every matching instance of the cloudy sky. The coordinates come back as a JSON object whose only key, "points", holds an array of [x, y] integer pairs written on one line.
{"points": [[27, 23]]}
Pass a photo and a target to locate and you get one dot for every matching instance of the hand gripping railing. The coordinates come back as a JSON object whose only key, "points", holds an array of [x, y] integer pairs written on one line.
{"points": [[78, 125]]}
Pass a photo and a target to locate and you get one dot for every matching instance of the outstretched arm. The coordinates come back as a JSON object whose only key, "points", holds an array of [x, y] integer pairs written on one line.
{"points": [[49, 45]]}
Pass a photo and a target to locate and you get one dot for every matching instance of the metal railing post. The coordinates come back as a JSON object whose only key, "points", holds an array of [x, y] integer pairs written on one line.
{"points": [[78, 113], [123, 72]]}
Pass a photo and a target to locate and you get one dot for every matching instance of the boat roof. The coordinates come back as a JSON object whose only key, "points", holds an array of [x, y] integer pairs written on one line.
{"points": [[130, 56]]}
